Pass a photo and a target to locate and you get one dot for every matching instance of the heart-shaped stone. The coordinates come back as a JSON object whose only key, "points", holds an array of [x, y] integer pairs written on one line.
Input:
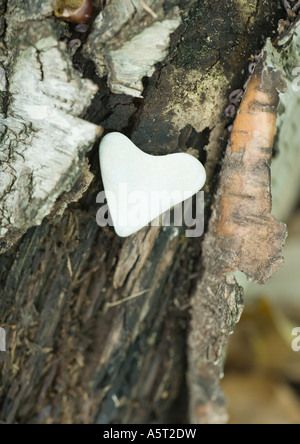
{"points": [[140, 187]]}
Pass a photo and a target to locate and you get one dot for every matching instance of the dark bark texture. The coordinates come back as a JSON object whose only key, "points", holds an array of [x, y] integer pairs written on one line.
{"points": [[77, 350]]}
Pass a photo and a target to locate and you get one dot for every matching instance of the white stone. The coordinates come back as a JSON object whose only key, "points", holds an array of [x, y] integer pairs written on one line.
{"points": [[140, 187]]}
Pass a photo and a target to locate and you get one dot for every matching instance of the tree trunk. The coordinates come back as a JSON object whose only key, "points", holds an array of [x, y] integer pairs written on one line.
{"points": [[97, 326]]}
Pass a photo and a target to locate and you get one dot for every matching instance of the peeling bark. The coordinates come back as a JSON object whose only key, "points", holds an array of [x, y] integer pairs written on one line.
{"points": [[243, 234], [144, 41], [248, 237], [43, 141]]}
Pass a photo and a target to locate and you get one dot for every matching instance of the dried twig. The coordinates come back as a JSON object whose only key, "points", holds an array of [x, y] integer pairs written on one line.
{"points": [[128, 298], [148, 9]]}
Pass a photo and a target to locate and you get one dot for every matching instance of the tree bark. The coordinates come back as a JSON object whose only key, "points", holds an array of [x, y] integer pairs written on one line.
{"points": [[96, 325]]}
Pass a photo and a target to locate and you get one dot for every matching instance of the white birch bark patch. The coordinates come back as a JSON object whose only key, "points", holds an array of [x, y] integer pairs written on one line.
{"points": [[128, 39], [43, 142]]}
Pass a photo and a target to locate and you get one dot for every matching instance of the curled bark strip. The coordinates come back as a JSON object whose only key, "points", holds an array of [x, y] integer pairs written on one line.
{"points": [[242, 235], [247, 234]]}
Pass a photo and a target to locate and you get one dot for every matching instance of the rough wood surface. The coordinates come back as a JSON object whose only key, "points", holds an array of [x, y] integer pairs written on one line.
{"points": [[96, 326]]}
